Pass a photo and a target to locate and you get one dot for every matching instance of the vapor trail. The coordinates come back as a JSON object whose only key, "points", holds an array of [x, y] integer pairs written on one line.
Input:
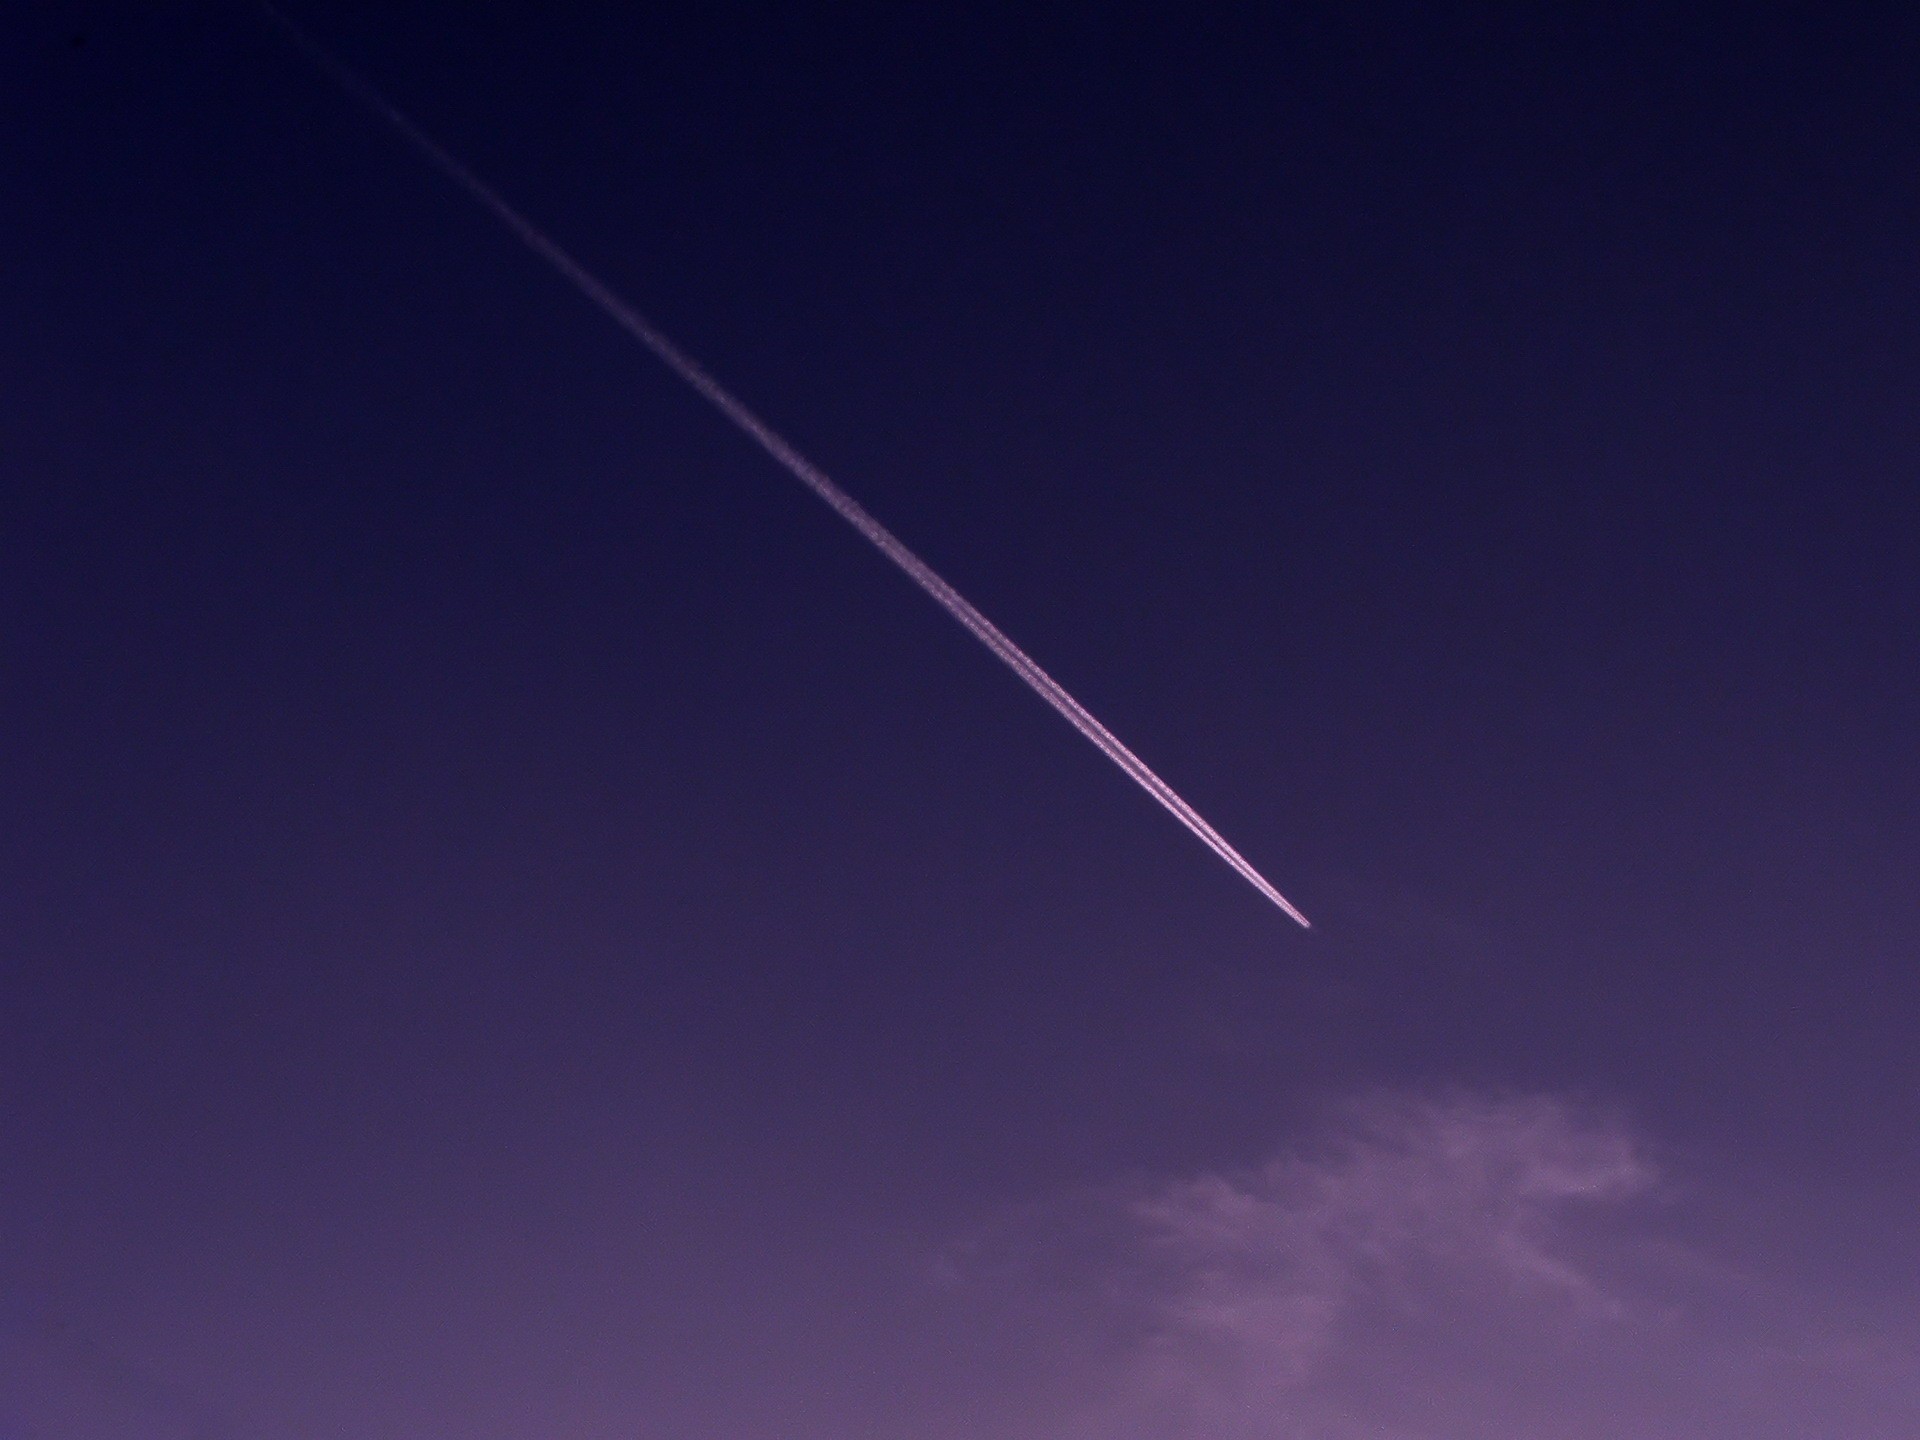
{"points": [[802, 469]]}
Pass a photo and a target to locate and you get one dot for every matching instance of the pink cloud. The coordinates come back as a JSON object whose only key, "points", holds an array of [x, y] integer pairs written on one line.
{"points": [[1454, 1268]]}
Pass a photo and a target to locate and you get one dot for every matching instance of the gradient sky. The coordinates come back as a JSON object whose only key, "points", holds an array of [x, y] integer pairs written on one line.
{"points": [[519, 926]]}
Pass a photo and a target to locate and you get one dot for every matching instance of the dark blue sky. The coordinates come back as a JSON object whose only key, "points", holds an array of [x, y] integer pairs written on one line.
{"points": [[517, 923]]}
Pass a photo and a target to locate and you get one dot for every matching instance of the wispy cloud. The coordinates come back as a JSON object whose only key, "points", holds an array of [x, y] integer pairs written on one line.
{"points": [[1442, 1268]]}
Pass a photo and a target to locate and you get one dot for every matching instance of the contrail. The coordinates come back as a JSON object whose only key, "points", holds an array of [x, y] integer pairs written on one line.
{"points": [[802, 469]]}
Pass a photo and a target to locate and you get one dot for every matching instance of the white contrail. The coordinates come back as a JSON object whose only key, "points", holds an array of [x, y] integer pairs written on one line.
{"points": [[803, 469]]}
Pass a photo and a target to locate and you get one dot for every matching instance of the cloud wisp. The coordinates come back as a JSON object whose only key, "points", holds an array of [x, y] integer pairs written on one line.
{"points": [[1457, 1268]]}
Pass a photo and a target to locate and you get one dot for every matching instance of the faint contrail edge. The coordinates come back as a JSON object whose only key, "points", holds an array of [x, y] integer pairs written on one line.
{"points": [[803, 469]]}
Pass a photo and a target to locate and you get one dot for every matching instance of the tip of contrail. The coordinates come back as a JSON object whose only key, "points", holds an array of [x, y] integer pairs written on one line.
{"points": [[784, 453]]}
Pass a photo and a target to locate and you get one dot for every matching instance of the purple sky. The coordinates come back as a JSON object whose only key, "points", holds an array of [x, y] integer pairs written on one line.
{"points": [[519, 926]]}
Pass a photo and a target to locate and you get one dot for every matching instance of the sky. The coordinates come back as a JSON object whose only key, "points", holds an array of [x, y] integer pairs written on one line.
{"points": [[516, 924]]}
